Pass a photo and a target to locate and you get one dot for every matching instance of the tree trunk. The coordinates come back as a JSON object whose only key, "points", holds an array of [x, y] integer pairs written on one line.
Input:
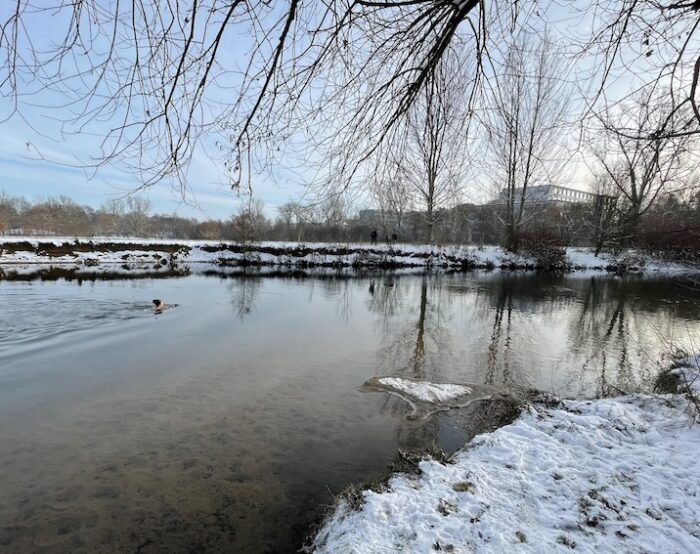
{"points": [[430, 222]]}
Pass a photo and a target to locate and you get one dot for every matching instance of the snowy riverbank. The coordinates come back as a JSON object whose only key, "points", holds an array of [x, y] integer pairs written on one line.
{"points": [[133, 254], [608, 475]]}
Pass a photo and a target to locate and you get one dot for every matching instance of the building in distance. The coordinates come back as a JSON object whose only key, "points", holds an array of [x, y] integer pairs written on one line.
{"points": [[549, 194]]}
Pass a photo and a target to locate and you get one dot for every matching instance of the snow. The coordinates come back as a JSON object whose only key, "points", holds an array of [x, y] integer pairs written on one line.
{"points": [[425, 391], [689, 372], [615, 474], [292, 254], [585, 258]]}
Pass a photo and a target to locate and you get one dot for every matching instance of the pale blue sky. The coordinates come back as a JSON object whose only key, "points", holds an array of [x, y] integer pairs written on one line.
{"points": [[35, 134], [25, 173]]}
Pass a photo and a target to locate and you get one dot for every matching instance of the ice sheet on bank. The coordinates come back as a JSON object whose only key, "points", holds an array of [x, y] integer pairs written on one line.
{"points": [[610, 475], [425, 397], [424, 390]]}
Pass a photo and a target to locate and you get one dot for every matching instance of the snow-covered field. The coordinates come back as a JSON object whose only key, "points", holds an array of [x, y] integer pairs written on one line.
{"points": [[133, 252], [609, 475]]}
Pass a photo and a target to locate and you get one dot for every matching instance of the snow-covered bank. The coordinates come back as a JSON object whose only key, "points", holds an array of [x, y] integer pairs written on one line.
{"points": [[139, 252], [616, 474]]}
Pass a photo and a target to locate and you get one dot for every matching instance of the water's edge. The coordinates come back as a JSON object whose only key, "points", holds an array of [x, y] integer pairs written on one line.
{"points": [[110, 256]]}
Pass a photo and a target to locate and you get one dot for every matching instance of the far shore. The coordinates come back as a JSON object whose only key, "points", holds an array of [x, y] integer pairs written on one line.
{"points": [[162, 254]]}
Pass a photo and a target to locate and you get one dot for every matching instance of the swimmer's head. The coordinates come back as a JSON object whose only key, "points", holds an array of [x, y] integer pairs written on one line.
{"points": [[157, 303]]}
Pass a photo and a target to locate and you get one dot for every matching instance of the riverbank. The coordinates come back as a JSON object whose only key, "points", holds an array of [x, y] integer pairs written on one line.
{"points": [[159, 255], [614, 474]]}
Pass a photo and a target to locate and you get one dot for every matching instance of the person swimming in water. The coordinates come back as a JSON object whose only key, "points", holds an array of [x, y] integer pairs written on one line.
{"points": [[159, 306]]}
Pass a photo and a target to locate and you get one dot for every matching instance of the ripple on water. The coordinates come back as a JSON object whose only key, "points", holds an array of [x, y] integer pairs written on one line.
{"points": [[30, 317]]}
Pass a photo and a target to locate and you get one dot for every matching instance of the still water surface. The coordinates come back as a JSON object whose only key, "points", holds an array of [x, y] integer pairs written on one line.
{"points": [[227, 423]]}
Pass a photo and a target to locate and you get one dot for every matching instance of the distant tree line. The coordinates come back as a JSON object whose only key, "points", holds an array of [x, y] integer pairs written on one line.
{"points": [[670, 225], [132, 217]]}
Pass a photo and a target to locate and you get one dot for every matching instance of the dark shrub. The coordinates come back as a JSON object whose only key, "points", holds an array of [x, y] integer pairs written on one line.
{"points": [[544, 246]]}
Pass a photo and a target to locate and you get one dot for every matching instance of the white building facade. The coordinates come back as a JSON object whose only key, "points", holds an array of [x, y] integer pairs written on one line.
{"points": [[549, 194]]}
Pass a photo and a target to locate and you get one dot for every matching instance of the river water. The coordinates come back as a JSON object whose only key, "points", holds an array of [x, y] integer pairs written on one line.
{"points": [[228, 423]]}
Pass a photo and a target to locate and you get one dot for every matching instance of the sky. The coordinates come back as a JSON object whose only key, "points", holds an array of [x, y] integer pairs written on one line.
{"points": [[37, 160], [36, 165]]}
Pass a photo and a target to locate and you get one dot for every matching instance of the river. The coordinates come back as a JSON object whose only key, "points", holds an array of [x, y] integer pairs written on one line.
{"points": [[227, 423]]}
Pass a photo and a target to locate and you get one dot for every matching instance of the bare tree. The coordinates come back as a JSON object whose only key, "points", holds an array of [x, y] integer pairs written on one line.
{"points": [[525, 126], [604, 217], [393, 197], [162, 73], [134, 217], [430, 157], [9, 212], [297, 215], [642, 170], [286, 217], [650, 44], [250, 222], [333, 210], [154, 77]]}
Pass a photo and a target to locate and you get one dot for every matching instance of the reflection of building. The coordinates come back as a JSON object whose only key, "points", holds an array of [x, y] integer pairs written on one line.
{"points": [[549, 194]]}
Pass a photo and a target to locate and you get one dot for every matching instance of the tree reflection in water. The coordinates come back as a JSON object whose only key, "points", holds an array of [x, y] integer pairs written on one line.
{"points": [[569, 335], [414, 321], [245, 289], [504, 306]]}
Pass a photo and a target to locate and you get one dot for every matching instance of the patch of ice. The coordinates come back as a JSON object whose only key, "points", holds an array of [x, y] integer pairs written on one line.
{"points": [[424, 390]]}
